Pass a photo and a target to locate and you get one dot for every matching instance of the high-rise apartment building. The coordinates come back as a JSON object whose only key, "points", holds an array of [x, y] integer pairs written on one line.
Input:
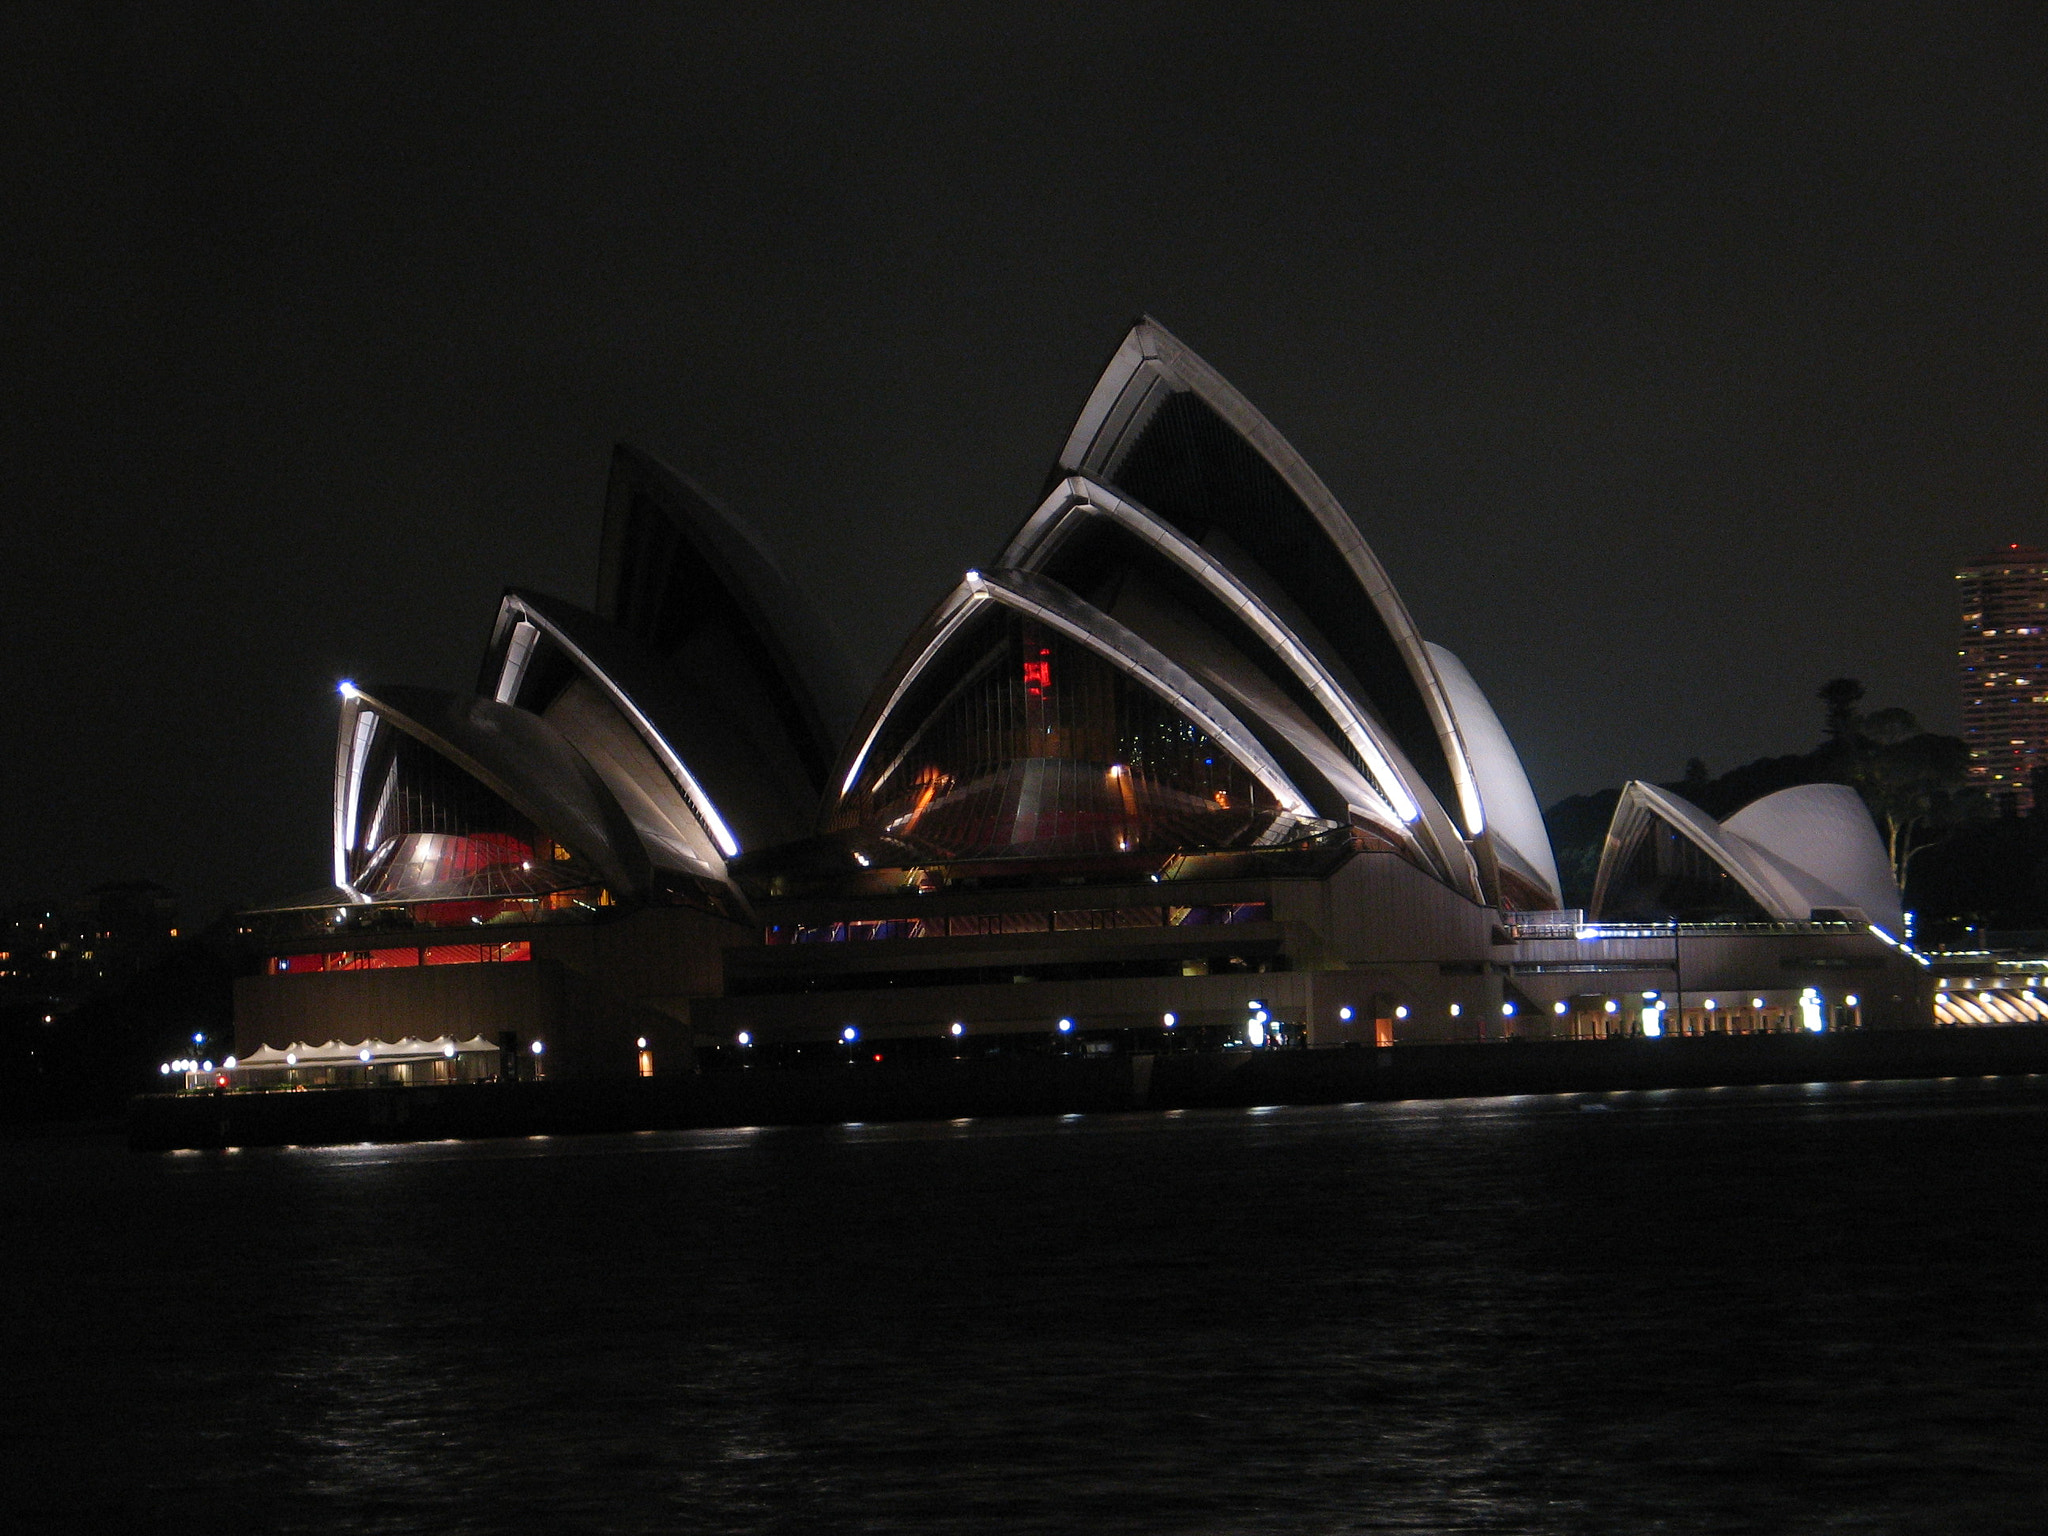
{"points": [[2005, 670]]}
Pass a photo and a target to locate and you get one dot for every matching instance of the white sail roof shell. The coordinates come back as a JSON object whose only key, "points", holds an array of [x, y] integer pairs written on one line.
{"points": [[1152, 364], [1513, 817], [1820, 838], [1809, 848]]}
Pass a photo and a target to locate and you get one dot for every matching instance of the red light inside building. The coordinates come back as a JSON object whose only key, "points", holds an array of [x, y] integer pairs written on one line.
{"points": [[1038, 674]]}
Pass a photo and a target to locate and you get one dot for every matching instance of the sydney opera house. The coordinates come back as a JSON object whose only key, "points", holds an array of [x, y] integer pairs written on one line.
{"points": [[1172, 770]]}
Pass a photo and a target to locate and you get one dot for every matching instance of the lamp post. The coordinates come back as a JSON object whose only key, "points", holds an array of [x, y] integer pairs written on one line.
{"points": [[1677, 973]]}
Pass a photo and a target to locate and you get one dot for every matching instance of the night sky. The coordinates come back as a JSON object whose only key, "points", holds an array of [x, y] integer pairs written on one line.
{"points": [[1669, 362]]}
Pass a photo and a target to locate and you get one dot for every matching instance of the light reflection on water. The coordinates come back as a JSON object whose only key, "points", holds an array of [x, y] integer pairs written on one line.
{"points": [[1796, 1308]]}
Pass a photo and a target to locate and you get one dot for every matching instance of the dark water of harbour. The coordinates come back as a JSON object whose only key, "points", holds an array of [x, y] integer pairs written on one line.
{"points": [[1773, 1310]]}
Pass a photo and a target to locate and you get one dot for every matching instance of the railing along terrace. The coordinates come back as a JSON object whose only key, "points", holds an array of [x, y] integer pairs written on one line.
{"points": [[1590, 932], [344, 920], [987, 924]]}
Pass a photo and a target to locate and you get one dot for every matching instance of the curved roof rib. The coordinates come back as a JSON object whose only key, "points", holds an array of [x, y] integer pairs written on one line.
{"points": [[694, 587], [673, 806], [1060, 610], [1803, 850], [1078, 498], [1394, 797], [514, 756], [1165, 429], [1514, 821]]}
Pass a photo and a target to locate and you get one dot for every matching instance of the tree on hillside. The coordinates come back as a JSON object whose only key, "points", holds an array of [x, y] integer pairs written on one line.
{"points": [[1841, 695], [1913, 781]]}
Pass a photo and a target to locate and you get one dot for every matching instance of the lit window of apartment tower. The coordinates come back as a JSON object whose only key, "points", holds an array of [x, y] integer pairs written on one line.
{"points": [[2005, 670]]}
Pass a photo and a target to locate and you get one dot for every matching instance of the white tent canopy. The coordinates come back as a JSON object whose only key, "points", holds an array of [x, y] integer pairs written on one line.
{"points": [[339, 1053]]}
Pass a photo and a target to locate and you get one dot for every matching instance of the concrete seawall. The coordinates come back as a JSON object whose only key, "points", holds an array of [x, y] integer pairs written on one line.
{"points": [[1066, 1085]]}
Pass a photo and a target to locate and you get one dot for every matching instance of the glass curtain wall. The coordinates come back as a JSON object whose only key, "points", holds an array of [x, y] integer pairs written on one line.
{"points": [[1667, 875], [1021, 743], [427, 830]]}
